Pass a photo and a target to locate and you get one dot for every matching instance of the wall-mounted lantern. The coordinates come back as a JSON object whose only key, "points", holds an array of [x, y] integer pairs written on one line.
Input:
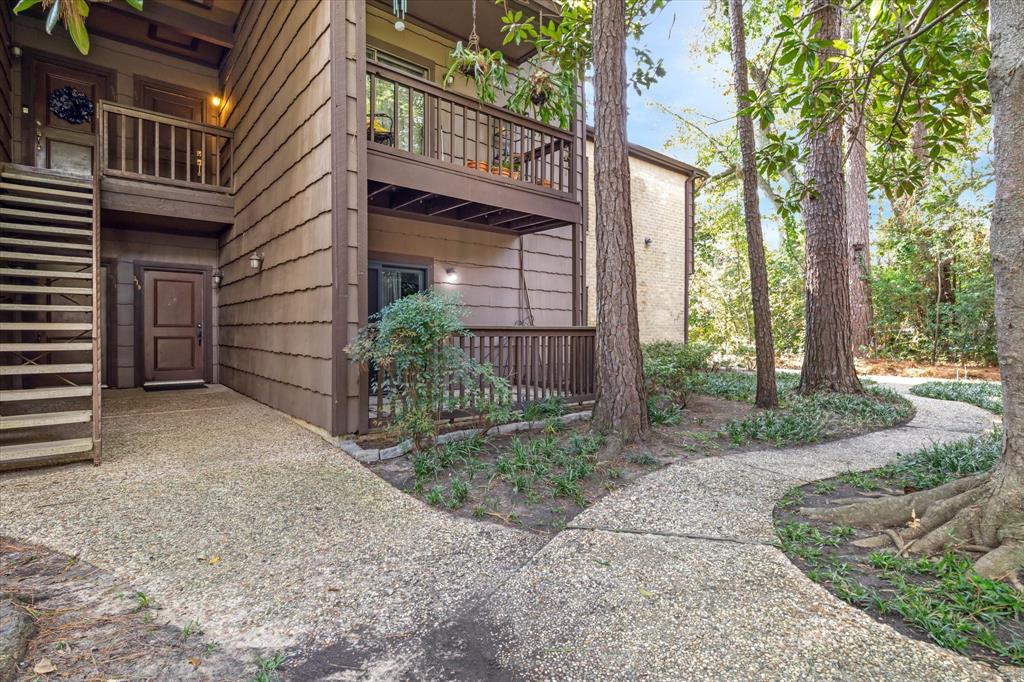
{"points": [[451, 275], [217, 278], [256, 260]]}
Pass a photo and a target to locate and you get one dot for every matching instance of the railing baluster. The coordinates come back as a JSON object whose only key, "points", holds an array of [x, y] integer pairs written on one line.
{"points": [[124, 143], [188, 155], [138, 147], [156, 148], [174, 143]]}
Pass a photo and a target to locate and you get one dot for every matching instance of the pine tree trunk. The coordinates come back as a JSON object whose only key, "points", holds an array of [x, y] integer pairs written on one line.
{"points": [[621, 397], [1003, 511], [828, 346], [861, 311], [764, 343]]}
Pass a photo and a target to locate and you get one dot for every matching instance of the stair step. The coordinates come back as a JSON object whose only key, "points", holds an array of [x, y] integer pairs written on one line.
{"points": [[45, 217], [44, 244], [46, 180], [30, 452], [21, 370], [42, 347], [43, 308], [45, 191], [49, 393], [46, 229], [27, 289], [44, 274], [23, 257], [27, 421], [45, 203], [46, 326]]}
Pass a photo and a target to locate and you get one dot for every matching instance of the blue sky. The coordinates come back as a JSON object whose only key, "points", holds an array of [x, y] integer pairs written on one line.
{"points": [[690, 83]]}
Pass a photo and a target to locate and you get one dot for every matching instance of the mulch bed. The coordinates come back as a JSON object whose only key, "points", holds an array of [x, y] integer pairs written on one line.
{"points": [[87, 627]]}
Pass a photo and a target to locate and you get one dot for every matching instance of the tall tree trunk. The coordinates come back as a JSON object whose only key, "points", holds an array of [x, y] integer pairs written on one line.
{"points": [[828, 345], [861, 310], [764, 343], [1002, 519], [621, 397]]}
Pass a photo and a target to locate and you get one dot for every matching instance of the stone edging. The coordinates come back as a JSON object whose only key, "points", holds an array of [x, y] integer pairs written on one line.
{"points": [[354, 450]]}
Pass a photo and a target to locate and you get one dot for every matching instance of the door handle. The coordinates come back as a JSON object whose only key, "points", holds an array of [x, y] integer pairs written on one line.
{"points": [[199, 333]]}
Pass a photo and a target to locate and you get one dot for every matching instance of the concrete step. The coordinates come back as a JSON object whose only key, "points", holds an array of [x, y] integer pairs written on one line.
{"points": [[40, 452], [43, 308], [58, 207], [46, 229], [53, 347], [44, 274], [15, 395], [27, 421], [27, 289], [46, 216], [21, 370], [46, 326], [42, 179], [44, 244]]}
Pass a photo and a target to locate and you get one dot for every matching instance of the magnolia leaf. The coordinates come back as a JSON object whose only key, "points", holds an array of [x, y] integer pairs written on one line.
{"points": [[137, 4], [24, 5], [83, 8], [876, 9], [76, 27], [52, 16], [45, 666]]}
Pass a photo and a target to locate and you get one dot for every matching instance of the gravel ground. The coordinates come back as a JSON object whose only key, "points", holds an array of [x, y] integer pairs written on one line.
{"points": [[274, 540]]}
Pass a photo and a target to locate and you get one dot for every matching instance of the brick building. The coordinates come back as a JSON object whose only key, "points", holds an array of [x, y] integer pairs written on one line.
{"points": [[663, 222]]}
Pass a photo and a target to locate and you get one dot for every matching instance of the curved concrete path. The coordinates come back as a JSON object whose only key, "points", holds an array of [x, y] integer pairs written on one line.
{"points": [[226, 512], [676, 577]]}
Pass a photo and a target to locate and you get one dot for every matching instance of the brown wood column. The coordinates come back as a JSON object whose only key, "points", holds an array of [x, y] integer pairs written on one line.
{"points": [[349, 387]]}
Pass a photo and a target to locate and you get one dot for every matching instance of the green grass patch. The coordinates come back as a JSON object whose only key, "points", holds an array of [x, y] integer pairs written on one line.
{"points": [[943, 462], [549, 463], [984, 394]]}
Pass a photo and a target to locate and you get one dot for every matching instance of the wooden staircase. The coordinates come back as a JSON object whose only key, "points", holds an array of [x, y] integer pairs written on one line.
{"points": [[49, 319]]}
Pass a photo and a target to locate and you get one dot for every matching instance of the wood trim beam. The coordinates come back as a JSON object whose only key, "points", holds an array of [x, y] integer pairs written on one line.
{"points": [[410, 199], [216, 30]]}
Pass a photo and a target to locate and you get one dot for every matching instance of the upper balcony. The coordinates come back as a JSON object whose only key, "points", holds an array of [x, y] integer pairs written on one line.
{"points": [[437, 155], [168, 168]]}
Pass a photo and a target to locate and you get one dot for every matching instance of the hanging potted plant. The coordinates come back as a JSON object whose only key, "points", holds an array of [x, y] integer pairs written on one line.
{"points": [[546, 96], [486, 69]]}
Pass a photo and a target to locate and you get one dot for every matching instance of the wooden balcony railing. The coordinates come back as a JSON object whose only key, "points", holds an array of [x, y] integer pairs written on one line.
{"points": [[538, 363], [419, 118], [143, 145]]}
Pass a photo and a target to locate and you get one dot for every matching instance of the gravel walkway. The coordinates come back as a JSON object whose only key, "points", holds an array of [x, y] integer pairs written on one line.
{"points": [[273, 539]]}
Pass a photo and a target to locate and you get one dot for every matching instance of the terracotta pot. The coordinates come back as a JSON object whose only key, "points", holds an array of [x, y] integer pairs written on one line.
{"points": [[478, 165], [545, 183]]}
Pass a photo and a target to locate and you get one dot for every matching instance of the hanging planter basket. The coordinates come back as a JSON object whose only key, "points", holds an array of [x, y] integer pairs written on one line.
{"points": [[68, 104]]}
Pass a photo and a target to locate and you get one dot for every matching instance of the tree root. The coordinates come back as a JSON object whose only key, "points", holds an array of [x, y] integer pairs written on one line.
{"points": [[958, 515]]}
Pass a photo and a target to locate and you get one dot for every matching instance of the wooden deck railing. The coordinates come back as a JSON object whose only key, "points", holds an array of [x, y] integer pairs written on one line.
{"points": [[538, 363], [138, 144], [412, 116]]}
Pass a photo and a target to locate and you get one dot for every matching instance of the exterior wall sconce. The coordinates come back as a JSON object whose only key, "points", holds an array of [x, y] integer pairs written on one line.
{"points": [[217, 278], [648, 241], [16, 51], [451, 275], [256, 260], [216, 101]]}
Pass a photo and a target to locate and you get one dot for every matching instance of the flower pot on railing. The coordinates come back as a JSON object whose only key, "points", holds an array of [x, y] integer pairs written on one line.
{"points": [[543, 183], [478, 165]]}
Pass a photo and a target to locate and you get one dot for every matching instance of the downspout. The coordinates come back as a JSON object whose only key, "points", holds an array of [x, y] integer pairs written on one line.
{"points": [[688, 268]]}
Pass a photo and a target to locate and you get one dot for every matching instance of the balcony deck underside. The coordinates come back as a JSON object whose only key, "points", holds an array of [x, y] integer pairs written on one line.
{"points": [[135, 203], [412, 186]]}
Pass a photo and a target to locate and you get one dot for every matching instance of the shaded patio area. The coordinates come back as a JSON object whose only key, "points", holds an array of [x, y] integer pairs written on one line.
{"points": [[227, 512]]}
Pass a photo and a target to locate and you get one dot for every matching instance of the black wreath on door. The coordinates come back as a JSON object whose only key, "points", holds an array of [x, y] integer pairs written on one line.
{"points": [[71, 105]]}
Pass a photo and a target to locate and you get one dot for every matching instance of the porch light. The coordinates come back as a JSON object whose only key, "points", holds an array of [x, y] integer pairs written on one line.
{"points": [[217, 278], [451, 276], [215, 101], [256, 260]]}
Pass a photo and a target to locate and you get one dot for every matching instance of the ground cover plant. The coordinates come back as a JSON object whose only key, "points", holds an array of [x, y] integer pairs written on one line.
{"points": [[986, 395], [937, 598], [542, 478]]}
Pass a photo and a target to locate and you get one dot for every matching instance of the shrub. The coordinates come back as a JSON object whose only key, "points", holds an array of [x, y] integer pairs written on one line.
{"points": [[669, 366], [409, 340]]}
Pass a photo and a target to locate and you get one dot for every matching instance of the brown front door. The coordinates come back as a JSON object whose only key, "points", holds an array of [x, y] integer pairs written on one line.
{"points": [[172, 308], [60, 140], [171, 100]]}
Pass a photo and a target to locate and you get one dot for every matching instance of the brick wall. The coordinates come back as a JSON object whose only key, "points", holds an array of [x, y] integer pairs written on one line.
{"points": [[659, 214]]}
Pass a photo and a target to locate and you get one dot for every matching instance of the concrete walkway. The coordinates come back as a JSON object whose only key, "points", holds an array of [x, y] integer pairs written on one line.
{"points": [[227, 512]]}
